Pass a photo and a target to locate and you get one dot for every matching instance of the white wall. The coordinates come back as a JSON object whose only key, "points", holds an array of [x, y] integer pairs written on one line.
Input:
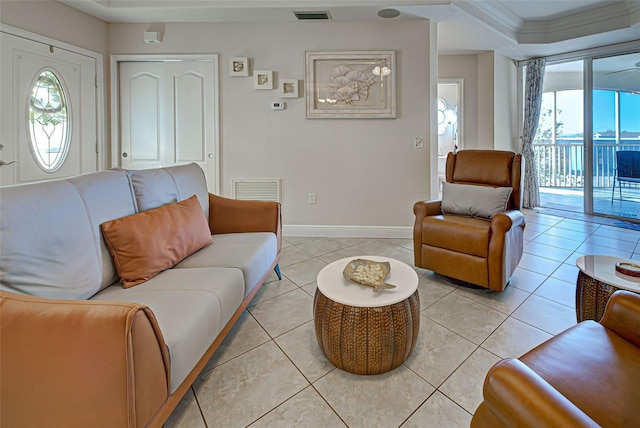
{"points": [[486, 131], [364, 172], [57, 21], [504, 99]]}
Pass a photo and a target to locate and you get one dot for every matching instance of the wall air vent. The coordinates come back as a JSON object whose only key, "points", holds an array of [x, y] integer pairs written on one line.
{"points": [[257, 189], [305, 15]]}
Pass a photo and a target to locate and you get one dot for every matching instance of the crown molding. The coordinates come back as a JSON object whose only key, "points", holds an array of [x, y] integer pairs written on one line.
{"points": [[602, 20], [493, 15]]}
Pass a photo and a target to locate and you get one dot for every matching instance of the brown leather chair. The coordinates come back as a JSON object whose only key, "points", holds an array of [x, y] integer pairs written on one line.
{"points": [[479, 251], [587, 376]]}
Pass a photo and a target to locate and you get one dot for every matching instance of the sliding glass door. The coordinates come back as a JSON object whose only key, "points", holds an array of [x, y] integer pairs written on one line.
{"points": [[615, 119]]}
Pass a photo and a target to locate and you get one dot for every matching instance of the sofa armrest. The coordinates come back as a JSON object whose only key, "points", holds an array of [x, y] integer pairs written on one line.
{"points": [[233, 216], [622, 315], [519, 397], [80, 363]]}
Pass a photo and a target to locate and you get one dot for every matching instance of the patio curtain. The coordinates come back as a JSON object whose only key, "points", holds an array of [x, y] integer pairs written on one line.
{"points": [[532, 103]]}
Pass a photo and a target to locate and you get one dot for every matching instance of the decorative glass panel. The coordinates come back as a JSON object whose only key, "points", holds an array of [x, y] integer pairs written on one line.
{"points": [[49, 121]]}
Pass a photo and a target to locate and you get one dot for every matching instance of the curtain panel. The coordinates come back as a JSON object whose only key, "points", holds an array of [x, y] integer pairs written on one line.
{"points": [[532, 105]]}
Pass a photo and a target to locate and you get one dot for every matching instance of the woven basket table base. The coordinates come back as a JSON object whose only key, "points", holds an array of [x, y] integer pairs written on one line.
{"points": [[591, 297], [365, 340]]}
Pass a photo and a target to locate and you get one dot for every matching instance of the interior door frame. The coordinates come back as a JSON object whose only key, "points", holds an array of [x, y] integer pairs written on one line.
{"points": [[100, 89], [115, 101]]}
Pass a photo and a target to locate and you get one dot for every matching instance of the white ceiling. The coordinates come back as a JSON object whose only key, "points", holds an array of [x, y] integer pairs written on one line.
{"points": [[519, 29]]}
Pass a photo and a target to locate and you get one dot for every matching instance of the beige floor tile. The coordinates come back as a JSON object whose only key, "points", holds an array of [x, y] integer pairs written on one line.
{"points": [[538, 264], [559, 291], [301, 346], [469, 319], [547, 251], [544, 219], [505, 301], [618, 233], [535, 227], [430, 292], [245, 335], [374, 247], [304, 273], [384, 400], [272, 289], [609, 242], [246, 388], [579, 226], [556, 241], [438, 352], [295, 240], [566, 272], [305, 409], [400, 253], [439, 412], [526, 280], [546, 315], [340, 254], [590, 248], [320, 246], [187, 414], [310, 289], [293, 255], [530, 235], [284, 312], [573, 258], [513, 338], [465, 384], [567, 234]]}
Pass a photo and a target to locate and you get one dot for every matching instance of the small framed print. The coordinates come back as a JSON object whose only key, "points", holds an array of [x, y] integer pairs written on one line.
{"points": [[289, 88], [263, 79], [239, 66]]}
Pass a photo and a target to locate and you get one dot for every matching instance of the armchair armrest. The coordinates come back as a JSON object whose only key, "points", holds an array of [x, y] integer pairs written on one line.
{"points": [[80, 363], [233, 216], [504, 221], [622, 315], [423, 209], [519, 397]]}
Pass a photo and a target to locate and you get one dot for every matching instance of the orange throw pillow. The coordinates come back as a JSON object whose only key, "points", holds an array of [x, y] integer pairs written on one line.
{"points": [[144, 244]]}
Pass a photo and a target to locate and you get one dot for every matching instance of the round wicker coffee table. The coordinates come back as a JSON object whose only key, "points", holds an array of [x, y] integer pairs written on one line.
{"points": [[597, 281], [363, 332]]}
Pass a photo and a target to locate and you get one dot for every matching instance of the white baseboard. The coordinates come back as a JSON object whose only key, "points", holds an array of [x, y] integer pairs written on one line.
{"points": [[347, 231]]}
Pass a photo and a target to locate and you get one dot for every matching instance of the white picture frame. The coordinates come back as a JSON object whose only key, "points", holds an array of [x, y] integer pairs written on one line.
{"points": [[239, 66], [351, 85], [289, 88], [263, 79]]}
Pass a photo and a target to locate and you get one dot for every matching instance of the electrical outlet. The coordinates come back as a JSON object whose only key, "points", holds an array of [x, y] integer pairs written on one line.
{"points": [[418, 142], [312, 198]]}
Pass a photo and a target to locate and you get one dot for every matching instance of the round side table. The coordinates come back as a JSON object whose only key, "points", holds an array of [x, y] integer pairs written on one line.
{"points": [[363, 332], [597, 281]]}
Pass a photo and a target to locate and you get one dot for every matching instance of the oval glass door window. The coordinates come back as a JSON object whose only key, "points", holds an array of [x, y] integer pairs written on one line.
{"points": [[49, 120]]}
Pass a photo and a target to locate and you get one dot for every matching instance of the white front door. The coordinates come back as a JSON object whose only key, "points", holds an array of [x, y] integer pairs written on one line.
{"points": [[167, 115], [48, 111]]}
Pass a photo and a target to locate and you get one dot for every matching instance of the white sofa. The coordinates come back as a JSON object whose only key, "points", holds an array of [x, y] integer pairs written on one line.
{"points": [[78, 349]]}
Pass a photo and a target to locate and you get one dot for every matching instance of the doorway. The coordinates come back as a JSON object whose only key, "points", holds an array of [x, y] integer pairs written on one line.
{"points": [[49, 111], [450, 129], [167, 113]]}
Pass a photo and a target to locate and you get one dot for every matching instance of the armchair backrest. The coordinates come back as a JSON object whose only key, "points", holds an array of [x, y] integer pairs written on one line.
{"points": [[488, 168]]}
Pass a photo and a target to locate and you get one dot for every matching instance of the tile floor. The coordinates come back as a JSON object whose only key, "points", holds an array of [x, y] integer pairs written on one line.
{"points": [[269, 370]]}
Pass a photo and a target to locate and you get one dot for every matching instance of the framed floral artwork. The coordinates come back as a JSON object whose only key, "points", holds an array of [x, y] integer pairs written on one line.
{"points": [[262, 79], [239, 66], [289, 88], [351, 84]]}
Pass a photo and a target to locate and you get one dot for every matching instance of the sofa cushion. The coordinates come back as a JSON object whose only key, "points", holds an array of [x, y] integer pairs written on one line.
{"points": [[253, 253], [145, 244], [154, 188], [474, 201], [48, 245], [192, 306]]}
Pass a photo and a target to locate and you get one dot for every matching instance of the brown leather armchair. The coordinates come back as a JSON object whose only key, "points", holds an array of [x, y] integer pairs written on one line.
{"points": [[587, 376], [478, 251]]}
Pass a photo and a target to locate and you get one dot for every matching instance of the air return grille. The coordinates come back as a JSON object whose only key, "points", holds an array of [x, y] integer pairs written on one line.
{"points": [[312, 15], [258, 189]]}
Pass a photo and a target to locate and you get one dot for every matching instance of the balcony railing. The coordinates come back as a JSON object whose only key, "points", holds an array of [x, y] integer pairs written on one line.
{"points": [[562, 164]]}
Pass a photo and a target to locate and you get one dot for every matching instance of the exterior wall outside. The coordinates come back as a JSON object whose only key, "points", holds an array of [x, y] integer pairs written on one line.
{"points": [[364, 172]]}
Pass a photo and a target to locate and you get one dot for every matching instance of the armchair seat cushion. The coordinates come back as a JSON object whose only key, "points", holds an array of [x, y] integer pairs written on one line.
{"points": [[461, 234]]}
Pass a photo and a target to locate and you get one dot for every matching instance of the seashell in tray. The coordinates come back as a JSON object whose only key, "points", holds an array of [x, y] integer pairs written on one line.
{"points": [[368, 272]]}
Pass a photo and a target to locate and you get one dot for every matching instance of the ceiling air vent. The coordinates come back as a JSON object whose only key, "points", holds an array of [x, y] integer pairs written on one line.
{"points": [[312, 15]]}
